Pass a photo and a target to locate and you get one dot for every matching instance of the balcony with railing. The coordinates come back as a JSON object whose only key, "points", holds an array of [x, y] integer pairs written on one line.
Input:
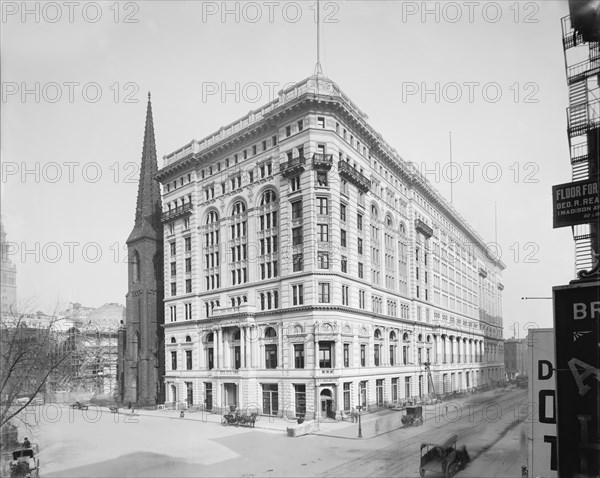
{"points": [[244, 309], [423, 228], [583, 117], [583, 69], [353, 175], [293, 167], [322, 161], [571, 37], [179, 211]]}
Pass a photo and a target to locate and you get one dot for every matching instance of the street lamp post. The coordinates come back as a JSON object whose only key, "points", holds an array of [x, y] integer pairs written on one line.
{"points": [[359, 408]]}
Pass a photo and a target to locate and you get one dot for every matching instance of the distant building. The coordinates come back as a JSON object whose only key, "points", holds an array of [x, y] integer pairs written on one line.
{"points": [[309, 269], [8, 279], [141, 339], [515, 352]]}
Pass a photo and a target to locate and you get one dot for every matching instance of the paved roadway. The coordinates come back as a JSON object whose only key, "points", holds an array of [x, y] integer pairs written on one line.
{"points": [[155, 445]]}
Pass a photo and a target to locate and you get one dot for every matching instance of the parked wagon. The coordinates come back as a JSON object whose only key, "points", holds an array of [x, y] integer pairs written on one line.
{"points": [[413, 417]]}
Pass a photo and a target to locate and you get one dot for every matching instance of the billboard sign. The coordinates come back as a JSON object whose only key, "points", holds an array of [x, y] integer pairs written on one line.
{"points": [[540, 411], [576, 323], [576, 203]]}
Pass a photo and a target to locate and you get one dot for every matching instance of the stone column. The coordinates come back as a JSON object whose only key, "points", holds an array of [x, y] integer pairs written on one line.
{"points": [[242, 347], [219, 349]]}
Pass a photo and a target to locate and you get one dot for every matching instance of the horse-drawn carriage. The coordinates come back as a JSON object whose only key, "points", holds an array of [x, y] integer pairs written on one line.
{"points": [[21, 462], [239, 419], [414, 416]]}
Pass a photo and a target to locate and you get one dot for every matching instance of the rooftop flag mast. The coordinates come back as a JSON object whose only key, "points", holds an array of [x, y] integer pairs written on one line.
{"points": [[318, 69]]}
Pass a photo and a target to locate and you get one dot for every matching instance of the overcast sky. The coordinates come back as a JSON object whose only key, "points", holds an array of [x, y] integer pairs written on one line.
{"points": [[74, 86]]}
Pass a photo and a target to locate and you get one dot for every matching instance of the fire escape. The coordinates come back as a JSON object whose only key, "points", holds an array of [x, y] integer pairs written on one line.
{"points": [[582, 61]]}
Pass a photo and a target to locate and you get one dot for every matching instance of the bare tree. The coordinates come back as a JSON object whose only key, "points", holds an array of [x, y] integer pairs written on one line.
{"points": [[31, 350]]}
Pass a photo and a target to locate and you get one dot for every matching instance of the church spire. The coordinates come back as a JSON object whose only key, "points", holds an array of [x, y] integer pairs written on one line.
{"points": [[148, 207]]}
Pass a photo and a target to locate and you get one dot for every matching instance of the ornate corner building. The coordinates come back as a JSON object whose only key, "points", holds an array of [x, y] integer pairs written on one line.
{"points": [[309, 268], [141, 338]]}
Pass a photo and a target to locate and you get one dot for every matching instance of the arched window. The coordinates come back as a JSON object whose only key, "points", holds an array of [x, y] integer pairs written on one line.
{"points": [[238, 208], [402, 229], [405, 336], [237, 335], [389, 223], [420, 338], [173, 341], [212, 217], [270, 333], [392, 335], [188, 338], [210, 337], [374, 211], [377, 334], [268, 197], [136, 273]]}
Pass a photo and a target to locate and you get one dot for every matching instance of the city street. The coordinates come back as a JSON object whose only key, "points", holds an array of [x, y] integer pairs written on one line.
{"points": [[166, 445]]}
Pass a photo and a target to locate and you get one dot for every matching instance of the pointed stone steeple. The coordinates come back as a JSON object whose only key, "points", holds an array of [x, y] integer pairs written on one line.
{"points": [[141, 340], [148, 208]]}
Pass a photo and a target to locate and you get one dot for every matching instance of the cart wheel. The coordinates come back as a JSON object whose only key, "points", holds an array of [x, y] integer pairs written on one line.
{"points": [[224, 422], [422, 471]]}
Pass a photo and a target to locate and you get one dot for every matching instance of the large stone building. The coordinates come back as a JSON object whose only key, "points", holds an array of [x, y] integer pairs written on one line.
{"points": [[309, 267], [515, 358], [8, 275], [141, 343]]}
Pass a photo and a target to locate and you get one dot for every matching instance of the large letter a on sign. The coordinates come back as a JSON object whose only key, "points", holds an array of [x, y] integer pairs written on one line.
{"points": [[580, 377]]}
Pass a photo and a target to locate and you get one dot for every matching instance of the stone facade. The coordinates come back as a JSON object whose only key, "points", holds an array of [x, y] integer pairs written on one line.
{"points": [[309, 268]]}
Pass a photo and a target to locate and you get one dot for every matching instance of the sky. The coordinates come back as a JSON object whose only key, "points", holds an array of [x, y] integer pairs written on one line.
{"points": [[75, 78]]}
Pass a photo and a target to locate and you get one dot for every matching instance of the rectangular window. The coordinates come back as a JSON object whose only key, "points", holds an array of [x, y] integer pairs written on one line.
{"points": [[323, 205], [173, 288], [322, 178], [173, 310], [173, 248], [321, 121], [297, 210], [347, 396], [345, 295], [343, 212], [344, 264], [360, 245], [323, 232], [173, 360], [360, 270], [188, 360], [300, 125], [188, 286], [211, 358], [298, 263], [346, 355], [394, 389], [361, 299], [173, 268], [299, 355], [363, 355], [295, 183], [323, 260], [325, 353], [288, 131], [271, 356], [359, 222], [297, 294], [297, 236], [300, 392], [188, 264], [324, 297], [188, 311], [274, 140], [343, 240]]}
